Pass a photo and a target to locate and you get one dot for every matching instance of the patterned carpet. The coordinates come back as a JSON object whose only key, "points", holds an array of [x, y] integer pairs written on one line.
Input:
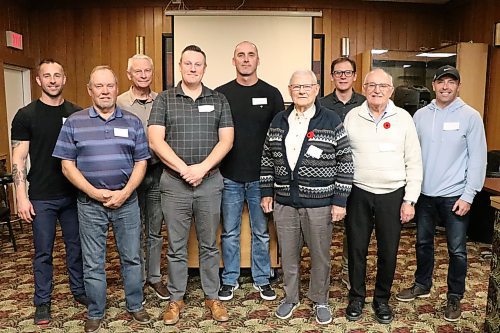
{"points": [[248, 312]]}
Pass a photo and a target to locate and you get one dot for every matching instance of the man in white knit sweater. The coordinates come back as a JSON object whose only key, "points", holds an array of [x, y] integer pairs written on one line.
{"points": [[387, 180]]}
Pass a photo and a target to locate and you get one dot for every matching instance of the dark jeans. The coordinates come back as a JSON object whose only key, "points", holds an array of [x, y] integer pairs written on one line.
{"points": [[48, 212], [428, 209], [366, 211]]}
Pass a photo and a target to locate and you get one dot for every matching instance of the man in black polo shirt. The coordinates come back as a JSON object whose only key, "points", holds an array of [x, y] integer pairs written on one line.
{"points": [[51, 197], [191, 130], [342, 100], [254, 103]]}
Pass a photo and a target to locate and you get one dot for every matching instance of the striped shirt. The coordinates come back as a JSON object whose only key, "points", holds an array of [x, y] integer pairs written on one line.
{"points": [[105, 151], [191, 127]]}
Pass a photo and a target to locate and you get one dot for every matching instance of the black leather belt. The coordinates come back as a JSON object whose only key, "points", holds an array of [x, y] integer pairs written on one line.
{"points": [[178, 176]]}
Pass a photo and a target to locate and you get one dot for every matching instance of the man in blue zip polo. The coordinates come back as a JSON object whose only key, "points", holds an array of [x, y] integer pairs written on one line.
{"points": [[306, 172], [453, 144]]}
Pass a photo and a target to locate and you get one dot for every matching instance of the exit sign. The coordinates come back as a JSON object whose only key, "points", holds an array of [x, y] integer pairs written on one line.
{"points": [[14, 40]]}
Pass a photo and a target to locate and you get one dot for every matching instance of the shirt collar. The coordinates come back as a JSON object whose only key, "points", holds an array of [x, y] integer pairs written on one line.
{"points": [[307, 114], [204, 91], [131, 99], [117, 114]]}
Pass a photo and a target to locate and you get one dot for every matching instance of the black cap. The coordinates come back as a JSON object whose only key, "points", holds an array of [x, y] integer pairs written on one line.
{"points": [[446, 70]]}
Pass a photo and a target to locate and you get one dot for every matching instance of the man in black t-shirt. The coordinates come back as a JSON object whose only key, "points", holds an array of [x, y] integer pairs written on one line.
{"points": [[50, 197], [254, 103]]}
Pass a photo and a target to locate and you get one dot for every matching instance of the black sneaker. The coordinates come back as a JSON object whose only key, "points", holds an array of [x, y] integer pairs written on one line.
{"points": [[82, 299], [409, 294], [42, 314], [354, 310], [266, 292], [453, 312], [226, 292]]}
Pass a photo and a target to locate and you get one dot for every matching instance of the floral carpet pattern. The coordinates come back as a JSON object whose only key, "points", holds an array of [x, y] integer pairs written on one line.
{"points": [[248, 313]]}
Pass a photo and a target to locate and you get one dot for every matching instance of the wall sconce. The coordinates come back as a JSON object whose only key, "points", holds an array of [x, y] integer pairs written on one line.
{"points": [[496, 35], [344, 46], [139, 44]]}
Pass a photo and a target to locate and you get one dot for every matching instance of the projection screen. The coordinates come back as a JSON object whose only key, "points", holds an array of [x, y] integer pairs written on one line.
{"points": [[284, 44]]}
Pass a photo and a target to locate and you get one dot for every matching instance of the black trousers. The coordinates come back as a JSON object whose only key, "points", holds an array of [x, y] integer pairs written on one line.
{"points": [[366, 210]]}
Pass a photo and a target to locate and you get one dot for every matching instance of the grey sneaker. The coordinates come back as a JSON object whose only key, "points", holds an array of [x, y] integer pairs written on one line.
{"points": [[285, 310], [323, 313], [409, 294], [266, 292], [226, 292], [453, 311]]}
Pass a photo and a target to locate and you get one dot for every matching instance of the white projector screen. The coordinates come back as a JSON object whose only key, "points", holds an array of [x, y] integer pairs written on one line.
{"points": [[284, 44]]}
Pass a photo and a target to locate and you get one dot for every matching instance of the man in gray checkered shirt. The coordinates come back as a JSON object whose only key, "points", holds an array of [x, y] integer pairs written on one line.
{"points": [[191, 130]]}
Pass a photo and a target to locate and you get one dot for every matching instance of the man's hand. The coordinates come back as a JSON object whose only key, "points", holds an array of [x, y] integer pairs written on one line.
{"points": [[338, 213], [193, 174], [101, 195], [116, 199], [25, 209], [267, 204], [407, 212], [461, 207]]}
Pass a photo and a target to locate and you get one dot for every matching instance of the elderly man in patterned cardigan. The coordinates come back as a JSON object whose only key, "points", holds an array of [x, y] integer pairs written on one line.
{"points": [[306, 171]]}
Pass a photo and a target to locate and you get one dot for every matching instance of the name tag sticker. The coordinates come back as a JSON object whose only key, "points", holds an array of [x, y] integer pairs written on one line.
{"points": [[384, 146], [259, 101], [64, 120], [121, 132], [205, 108], [314, 151], [451, 126]]}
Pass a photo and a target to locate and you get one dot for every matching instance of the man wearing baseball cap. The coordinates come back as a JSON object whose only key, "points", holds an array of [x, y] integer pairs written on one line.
{"points": [[453, 146]]}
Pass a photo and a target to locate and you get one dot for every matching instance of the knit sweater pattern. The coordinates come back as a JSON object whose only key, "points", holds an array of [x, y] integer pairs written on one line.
{"points": [[324, 170]]}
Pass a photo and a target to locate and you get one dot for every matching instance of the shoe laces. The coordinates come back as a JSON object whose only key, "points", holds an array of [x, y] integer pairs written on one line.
{"points": [[453, 302], [322, 306], [173, 306], [266, 287], [226, 287], [217, 304]]}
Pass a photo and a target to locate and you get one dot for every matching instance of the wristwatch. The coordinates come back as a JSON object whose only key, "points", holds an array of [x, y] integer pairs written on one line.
{"points": [[409, 202]]}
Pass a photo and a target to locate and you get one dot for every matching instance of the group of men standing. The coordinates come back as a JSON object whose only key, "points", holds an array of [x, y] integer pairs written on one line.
{"points": [[191, 154]]}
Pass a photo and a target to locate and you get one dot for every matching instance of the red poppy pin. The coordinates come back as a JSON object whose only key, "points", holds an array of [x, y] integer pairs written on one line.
{"points": [[387, 125], [310, 135]]}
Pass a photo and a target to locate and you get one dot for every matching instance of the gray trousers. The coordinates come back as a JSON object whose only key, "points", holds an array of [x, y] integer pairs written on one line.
{"points": [[180, 203], [315, 227]]}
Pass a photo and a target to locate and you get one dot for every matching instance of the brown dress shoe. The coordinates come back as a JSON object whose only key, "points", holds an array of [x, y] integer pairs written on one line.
{"points": [[160, 290], [141, 317], [217, 309], [173, 312], [92, 325]]}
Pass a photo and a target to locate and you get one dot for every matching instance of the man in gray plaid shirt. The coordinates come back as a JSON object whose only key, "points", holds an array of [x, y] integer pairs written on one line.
{"points": [[191, 130]]}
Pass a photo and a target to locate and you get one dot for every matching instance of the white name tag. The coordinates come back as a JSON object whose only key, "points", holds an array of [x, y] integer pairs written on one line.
{"points": [[384, 146], [205, 108], [64, 120], [121, 132], [314, 151], [451, 126], [259, 101]]}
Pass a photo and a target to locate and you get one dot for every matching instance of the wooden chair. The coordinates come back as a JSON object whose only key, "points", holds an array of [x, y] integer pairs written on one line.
{"points": [[5, 180]]}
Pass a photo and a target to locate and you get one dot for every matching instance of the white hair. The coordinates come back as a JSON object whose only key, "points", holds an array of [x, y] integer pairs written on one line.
{"points": [[138, 57], [378, 70], [304, 72]]}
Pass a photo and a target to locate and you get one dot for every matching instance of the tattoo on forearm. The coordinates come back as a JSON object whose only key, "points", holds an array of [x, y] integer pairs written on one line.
{"points": [[15, 143], [19, 175]]}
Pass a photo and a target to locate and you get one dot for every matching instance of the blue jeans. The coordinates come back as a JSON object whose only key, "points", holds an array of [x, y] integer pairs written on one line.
{"points": [[152, 218], [233, 197], [427, 210], [48, 212], [94, 220]]}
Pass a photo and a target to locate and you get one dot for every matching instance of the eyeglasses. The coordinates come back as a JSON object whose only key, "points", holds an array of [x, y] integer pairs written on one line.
{"points": [[306, 87], [347, 73], [373, 86]]}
